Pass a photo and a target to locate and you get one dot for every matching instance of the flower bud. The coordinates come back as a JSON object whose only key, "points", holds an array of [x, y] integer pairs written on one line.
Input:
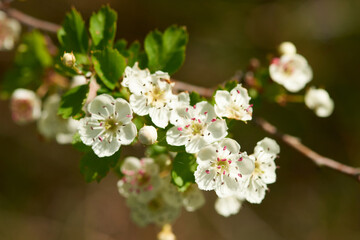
{"points": [[319, 101], [287, 48], [147, 135], [68, 59], [25, 106], [166, 233]]}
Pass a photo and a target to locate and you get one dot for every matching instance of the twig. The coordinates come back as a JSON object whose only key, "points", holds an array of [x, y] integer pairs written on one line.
{"points": [[31, 21], [318, 159], [207, 92]]}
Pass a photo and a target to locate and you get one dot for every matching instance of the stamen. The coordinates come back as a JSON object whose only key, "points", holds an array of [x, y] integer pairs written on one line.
{"points": [[179, 129], [207, 171], [213, 120], [240, 159], [101, 139], [224, 148]]}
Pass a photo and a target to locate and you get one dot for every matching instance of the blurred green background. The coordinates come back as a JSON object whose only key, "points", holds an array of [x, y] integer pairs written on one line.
{"points": [[43, 195]]}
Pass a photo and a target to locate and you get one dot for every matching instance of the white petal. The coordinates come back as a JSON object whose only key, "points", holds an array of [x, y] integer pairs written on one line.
{"points": [[195, 144], [204, 176], [123, 110], [160, 116], [230, 144], [180, 115], [193, 198], [240, 95], [204, 110], [105, 148], [255, 191], [227, 206], [206, 155], [222, 99], [247, 165], [87, 131], [267, 145], [175, 137], [127, 133], [217, 130], [130, 165], [226, 187], [138, 104], [269, 175], [101, 106]]}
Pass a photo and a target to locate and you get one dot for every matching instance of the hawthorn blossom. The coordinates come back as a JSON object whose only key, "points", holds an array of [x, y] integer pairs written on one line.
{"points": [[319, 101], [292, 71], [151, 94], [109, 125], [221, 168], [9, 31], [25, 106], [255, 184], [51, 125], [228, 206], [233, 104], [140, 179], [195, 127]]}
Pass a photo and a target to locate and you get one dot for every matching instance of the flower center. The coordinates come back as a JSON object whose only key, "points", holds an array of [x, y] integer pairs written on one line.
{"points": [[289, 67], [197, 128], [156, 97], [257, 169], [143, 179], [111, 124]]}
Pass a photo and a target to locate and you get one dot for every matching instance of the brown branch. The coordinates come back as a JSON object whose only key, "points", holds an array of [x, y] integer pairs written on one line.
{"points": [[30, 21], [291, 141], [318, 159], [207, 92]]}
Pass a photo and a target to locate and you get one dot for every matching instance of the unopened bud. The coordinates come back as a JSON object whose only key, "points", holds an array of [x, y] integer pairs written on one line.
{"points": [[68, 59], [147, 135], [166, 233], [287, 48]]}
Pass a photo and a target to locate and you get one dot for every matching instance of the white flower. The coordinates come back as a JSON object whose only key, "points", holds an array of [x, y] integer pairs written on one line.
{"points": [[292, 71], [25, 106], [51, 125], [195, 127], [166, 233], [157, 211], [9, 32], [287, 48], [193, 198], [140, 179], [151, 94], [228, 206], [221, 168], [319, 101], [109, 125], [68, 59], [147, 135], [233, 105], [255, 184]]}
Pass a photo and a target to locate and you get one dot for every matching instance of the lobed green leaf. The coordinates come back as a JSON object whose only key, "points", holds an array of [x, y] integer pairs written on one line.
{"points": [[182, 173], [72, 101]]}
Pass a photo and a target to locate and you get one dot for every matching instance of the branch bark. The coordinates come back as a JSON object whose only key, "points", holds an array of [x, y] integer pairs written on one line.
{"points": [[291, 141]]}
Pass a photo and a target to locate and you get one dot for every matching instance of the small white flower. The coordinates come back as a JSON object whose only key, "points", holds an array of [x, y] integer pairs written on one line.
{"points": [[228, 206], [109, 125], [140, 179], [319, 101], [234, 104], [221, 168], [151, 94], [292, 71], [195, 127], [255, 185], [147, 135], [287, 48], [10, 30], [68, 59], [157, 211], [25, 106], [51, 125]]}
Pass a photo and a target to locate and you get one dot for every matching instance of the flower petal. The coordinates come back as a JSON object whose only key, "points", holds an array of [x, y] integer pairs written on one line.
{"points": [[217, 130], [227, 206], [87, 131], [123, 111], [160, 116], [206, 155], [101, 106], [127, 133], [195, 144], [204, 176], [105, 148], [175, 137], [231, 145], [138, 104]]}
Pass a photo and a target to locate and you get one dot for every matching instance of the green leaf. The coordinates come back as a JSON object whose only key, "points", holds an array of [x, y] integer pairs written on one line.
{"points": [[73, 36], [182, 173], [109, 66], [72, 101], [195, 98], [230, 85], [78, 144], [94, 168], [133, 54], [120, 45], [103, 27], [166, 51], [31, 59]]}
